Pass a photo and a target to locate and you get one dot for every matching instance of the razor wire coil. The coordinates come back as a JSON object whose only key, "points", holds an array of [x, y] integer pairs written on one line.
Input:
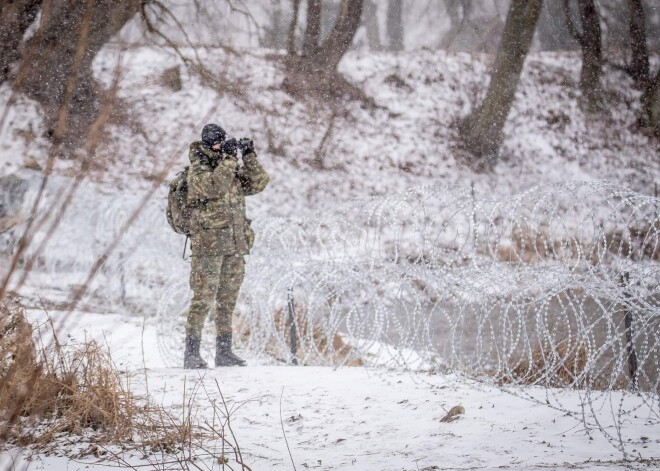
{"points": [[554, 288]]}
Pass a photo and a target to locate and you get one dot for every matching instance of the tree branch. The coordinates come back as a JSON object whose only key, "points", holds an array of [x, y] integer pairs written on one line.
{"points": [[291, 37], [571, 26]]}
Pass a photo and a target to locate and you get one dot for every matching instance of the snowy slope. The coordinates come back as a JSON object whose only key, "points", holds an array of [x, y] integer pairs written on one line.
{"points": [[410, 140]]}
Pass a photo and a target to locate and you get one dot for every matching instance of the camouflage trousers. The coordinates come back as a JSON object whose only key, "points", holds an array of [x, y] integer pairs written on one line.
{"points": [[215, 281]]}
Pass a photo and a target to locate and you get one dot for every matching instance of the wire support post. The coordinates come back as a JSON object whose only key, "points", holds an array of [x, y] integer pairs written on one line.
{"points": [[630, 333], [293, 334]]}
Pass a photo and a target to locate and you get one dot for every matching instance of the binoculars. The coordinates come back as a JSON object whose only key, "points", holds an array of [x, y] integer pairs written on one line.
{"points": [[232, 146]]}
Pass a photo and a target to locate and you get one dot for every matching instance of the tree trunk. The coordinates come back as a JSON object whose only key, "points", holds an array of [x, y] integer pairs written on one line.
{"points": [[395, 24], [317, 72], [291, 37], [651, 105], [59, 70], [341, 36], [482, 129], [15, 18], [592, 55], [371, 23], [553, 31], [313, 29], [276, 34], [458, 16], [639, 67]]}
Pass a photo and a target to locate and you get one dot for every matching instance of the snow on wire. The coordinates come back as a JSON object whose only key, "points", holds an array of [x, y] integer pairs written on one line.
{"points": [[556, 288]]}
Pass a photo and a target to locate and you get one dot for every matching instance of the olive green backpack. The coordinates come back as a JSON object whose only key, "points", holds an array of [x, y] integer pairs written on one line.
{"points": [[178, 210]]}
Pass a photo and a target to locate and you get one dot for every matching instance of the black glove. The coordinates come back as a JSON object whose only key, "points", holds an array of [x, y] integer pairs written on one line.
{"points": [[247, 145], [230, 147]]}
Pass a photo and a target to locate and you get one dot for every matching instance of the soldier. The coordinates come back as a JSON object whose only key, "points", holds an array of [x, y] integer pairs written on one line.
{"points": [[220, 235]]}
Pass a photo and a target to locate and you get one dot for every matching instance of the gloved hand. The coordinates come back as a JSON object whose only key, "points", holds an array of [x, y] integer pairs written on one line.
{"points": [[230, 147], [247, 145]]}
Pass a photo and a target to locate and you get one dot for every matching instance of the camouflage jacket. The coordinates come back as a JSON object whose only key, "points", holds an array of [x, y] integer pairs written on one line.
{"points": [[219, 225]]}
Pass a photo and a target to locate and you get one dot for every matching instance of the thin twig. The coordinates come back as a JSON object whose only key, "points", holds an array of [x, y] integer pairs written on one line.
{"points": [[284, 433], [144, 364]]}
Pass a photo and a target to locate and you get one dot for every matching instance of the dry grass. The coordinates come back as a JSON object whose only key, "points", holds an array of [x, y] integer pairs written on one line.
{"points": [[18, 363], [60, 389], [557, 366], [638, 243], [531, 247], [314, 344], [72, 400]]}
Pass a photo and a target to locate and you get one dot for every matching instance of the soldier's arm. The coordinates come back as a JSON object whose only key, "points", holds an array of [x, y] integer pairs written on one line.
{"points": [[205, 183], [223, 175], [253, 176]]}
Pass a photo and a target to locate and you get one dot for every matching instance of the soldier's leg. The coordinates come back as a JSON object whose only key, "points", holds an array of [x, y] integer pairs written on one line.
{"points": [[229, 284], [204, 277], [231, 278]]}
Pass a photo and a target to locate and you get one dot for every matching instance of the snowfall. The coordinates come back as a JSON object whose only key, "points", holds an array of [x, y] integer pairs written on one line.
{"points": [[382, 416]]}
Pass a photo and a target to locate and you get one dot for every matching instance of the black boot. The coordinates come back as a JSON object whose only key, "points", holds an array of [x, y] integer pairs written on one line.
{"points": [[191, 357], [223, 354]]}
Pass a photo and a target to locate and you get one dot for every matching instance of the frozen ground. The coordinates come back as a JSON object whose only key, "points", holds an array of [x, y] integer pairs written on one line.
{"points": [[358, 418]]}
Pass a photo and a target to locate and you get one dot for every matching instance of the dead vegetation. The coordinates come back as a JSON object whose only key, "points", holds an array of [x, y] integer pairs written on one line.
{"points": [[50, 390], [72, 400], [566, 365], [313, 344], [636, 242], [561, 365], [535, 246]]}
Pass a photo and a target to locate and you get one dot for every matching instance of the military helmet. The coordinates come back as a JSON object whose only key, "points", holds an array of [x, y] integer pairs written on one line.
{"points": [[213, 134]]}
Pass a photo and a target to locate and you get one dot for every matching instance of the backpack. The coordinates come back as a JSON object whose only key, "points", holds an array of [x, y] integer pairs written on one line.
{"points": [[178, 210]]}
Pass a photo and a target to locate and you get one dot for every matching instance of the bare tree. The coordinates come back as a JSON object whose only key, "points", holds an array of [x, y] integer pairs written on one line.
{"points": [[291, 38], [371, 24], [651, 105], [15, 18], [639, 66], [316, 71], [459, 14], [275, 33], [482, 129], [592, 51], [552, 31], [58, 69], [395, 24], [313, 29]]}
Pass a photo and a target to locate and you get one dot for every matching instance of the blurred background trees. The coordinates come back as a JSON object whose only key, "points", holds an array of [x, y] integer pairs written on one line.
{"points": [[482, 129], [47, 47], [53, 65], [314, 67]]}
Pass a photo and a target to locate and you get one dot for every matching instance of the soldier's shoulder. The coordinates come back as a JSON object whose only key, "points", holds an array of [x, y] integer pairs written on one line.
{"points": [[196, 145], [196, 149], [197, 154]]}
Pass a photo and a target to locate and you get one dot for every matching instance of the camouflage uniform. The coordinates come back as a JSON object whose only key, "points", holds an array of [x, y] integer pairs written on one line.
{"points": [[219, 231]]}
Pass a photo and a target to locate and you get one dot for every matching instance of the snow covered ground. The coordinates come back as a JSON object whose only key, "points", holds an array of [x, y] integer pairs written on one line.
{"points": [[357, 418]]}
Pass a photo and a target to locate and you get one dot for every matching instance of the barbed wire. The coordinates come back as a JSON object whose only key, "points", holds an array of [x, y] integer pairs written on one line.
{"points": [[552, 290]]}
